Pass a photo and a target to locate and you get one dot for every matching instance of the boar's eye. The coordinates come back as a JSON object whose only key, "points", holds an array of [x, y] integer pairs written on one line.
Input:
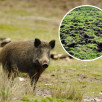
{"points": [[52, 44]]}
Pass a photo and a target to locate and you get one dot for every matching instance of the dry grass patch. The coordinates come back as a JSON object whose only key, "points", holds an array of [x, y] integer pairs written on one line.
{"points": [[16, 90], [66, 92]]}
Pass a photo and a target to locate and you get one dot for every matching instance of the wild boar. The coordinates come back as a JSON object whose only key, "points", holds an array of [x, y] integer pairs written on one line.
{"points": [[31, 57], [4, 41]]}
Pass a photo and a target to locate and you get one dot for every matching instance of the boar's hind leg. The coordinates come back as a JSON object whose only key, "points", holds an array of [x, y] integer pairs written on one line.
{"points": [[7, 70], [34, 78], [14, 71], [10, 71]]}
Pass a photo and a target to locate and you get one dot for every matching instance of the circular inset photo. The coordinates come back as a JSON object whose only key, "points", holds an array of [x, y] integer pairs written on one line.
{"points": [[81, 32]]}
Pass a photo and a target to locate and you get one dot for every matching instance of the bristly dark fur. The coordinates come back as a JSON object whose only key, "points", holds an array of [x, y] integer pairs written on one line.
{"points": [[26, 56]]}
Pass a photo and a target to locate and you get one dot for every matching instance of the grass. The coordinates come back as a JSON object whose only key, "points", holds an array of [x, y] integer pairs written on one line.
{"points": [[25, 21], [80, 33], [67, 92], [10, 92], [78, 78]]}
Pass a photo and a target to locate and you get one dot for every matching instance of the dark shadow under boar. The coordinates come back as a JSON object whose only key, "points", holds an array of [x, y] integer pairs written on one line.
{"points": [[31, 57]]}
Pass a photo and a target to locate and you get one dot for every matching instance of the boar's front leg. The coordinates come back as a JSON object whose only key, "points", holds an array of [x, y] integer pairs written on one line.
{"points": [[34, 78]]}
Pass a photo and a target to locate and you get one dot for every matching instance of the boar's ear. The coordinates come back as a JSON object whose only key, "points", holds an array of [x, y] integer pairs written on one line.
{"points": [[52, 44], [37, 42]]}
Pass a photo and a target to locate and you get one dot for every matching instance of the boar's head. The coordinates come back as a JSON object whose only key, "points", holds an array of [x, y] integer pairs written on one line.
{"points": [[42, 54]]}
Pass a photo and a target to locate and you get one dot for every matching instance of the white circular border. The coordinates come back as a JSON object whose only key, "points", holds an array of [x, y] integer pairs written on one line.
{"points": [[59, 31]]}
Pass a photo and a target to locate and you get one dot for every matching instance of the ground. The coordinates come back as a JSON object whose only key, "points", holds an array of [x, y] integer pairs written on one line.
{"points": [[64, 80], [80, 32]]}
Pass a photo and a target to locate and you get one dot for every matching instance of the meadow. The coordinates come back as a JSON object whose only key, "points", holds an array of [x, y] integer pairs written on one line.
{"points": [[65, 80], [81, 33]]}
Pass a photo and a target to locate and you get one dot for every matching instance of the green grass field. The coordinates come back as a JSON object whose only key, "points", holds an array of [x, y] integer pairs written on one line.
{"points": [[81, 33], [63, 81]]}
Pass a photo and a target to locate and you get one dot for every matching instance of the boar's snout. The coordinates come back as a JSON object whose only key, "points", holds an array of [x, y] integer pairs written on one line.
{"points": [[45, 65]]}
